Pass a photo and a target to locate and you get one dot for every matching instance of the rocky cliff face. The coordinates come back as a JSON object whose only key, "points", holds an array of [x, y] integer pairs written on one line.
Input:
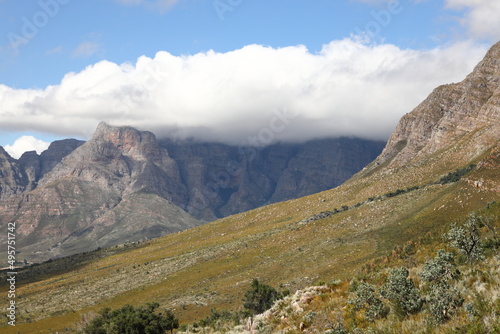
{"points": [[117, 187], [223, 180], [449, 115], [12, 180], [125, 160]]}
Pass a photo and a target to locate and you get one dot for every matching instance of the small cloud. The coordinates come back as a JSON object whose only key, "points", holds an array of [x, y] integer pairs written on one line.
{"points": [[57, 49], [86, 50], [481, 17], [161, 5], [25, 144]]}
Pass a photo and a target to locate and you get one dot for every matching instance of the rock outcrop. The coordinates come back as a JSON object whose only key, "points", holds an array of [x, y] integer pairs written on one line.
{"points": [[117, 187]]}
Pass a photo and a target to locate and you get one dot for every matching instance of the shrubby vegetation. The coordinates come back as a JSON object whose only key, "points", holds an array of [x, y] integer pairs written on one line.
{"points": [[456, 175], [131, 320], [424, 286], [440, 288], [364, 298], [260, 297], [402, 293]]}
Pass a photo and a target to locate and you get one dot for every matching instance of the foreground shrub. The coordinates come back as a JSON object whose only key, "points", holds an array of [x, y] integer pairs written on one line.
{"points": [[365, 299], [402, 293]]}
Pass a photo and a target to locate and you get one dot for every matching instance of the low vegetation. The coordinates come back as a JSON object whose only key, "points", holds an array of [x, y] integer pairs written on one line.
{"points": [[202, 273], [131, 320], [448, 284]]}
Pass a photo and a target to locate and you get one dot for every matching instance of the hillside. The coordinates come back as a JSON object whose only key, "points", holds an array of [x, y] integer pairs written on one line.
{"points": [[429, 176]]}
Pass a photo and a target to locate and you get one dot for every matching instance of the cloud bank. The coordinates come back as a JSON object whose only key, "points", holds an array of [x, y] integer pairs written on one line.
{"points": [[347, 89]]}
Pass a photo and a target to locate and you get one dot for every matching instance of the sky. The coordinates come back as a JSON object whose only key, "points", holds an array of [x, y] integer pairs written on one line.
{"points": [[232, 71]]}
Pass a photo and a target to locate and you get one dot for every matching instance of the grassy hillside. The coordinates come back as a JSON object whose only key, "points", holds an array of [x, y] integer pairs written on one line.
{"points": [[212, 265]]}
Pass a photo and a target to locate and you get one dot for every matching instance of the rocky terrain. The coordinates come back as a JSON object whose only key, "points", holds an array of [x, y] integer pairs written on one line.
{"points": [[223, 180]]}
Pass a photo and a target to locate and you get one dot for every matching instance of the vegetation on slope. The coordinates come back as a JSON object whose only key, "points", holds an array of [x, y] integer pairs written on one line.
{"points": [[211, 266], [416, 289]]}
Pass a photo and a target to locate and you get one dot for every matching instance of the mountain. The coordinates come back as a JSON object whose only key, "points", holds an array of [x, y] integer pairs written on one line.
{"points": [[223, 180], [117, 187], [451, 115], [124, 185], [441, 163], [22, 175]]}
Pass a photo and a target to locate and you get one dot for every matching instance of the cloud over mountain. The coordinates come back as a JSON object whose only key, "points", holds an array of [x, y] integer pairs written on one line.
{"points": [[347, 89]]}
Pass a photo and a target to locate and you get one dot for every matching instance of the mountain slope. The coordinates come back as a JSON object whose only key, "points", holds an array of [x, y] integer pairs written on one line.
{"points": [[22, 175]]}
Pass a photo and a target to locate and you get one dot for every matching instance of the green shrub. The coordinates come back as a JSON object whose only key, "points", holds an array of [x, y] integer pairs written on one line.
{"points": [[401, 291], [466, 239], [443, 301], [365, 299], [260, 297], [130, 320]]}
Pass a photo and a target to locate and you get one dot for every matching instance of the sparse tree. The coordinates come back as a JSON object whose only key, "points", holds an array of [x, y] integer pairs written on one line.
{"points": [[466, 239], [260, 297]]}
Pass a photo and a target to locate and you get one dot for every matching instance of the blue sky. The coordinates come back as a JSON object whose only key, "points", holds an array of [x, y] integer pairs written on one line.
{"points": [[66, 64]]}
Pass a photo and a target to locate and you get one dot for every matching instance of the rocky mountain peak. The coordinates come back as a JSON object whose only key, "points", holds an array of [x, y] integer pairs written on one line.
{"points": [[449, 115], [129, 141], [125, 160]]}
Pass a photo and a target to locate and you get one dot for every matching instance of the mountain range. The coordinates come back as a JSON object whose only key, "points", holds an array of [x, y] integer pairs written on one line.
{"points": [[124, 185]]}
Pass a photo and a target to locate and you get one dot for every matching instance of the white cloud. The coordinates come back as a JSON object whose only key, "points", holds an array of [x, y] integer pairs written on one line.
{"points": [[56, 50], [481, 18], [25, 144], [348, 89]]}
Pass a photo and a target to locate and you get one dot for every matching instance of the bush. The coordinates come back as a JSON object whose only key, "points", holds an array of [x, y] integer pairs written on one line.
{"points": [[140, 320], [260, 297], [402, 293], [365, 299], [466, 239], [443, 300], [456, 175], [440, 269]]}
